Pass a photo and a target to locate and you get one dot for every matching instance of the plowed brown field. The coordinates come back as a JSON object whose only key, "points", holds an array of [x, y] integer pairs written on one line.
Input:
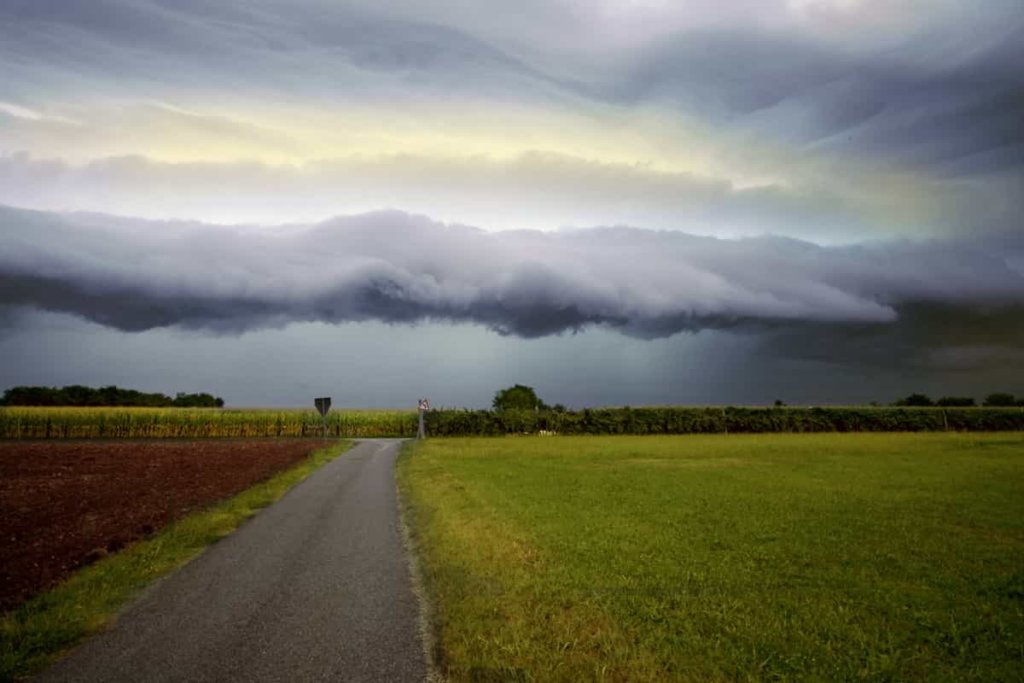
{"points": [[65, 504]]}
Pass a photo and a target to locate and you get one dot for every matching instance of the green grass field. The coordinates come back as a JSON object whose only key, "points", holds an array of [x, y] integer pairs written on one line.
{"points": [[702, 558]]}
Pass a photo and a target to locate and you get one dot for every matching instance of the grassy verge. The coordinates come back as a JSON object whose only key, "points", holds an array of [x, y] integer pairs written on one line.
{"points": [[37, 632], [707, 558]]}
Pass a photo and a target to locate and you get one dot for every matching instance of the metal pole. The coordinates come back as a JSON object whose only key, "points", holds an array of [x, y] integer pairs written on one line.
{"points": [[424, 406]]}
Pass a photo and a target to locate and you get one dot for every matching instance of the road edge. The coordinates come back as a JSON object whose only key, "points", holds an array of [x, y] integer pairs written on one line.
{"points": [[429, 641]]}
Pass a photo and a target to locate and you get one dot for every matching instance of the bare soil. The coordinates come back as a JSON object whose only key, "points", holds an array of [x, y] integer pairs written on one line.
{"points": [[66, 504]]}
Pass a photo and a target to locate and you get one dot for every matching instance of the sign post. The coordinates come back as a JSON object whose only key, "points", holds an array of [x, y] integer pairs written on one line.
{"points": [[424, 406], [322, 406]]}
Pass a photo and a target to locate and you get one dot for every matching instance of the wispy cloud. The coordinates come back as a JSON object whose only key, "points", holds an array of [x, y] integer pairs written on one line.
{"points": [[17, 111]]}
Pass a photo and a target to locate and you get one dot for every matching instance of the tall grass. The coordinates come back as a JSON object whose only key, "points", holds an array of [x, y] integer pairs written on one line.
{"points": [[188, 423]]}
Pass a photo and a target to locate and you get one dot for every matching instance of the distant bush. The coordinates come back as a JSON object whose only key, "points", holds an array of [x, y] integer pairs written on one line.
{"points": [[720, 420], [955, 401], [78, 395], [999, 400], [915, 400], [197, 401]]}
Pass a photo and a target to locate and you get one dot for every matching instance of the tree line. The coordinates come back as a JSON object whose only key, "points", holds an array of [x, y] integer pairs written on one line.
{"points": [[996, 400], [78, 395], [727, 420], [518, 410], [520, 397]]}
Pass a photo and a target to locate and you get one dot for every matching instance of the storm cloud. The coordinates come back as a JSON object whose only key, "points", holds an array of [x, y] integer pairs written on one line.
{"points": [[393, 267], [940, 92], [823, 191]]}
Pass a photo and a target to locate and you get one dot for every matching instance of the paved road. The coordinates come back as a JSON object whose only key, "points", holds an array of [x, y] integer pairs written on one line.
{"points": [[314, 588]]}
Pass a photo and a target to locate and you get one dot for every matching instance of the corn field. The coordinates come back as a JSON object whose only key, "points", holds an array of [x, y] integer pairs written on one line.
{"points": [[183, 423]]}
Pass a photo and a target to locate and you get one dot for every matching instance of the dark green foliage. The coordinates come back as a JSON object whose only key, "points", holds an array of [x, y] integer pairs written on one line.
{"points": [[721, 420], [955, 402], [517, 397], [999, 400], [78, 395], [204, 400], [915, 400]]}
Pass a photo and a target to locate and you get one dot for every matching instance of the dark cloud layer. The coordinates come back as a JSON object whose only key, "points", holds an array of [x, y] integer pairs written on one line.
{"points": [[953, 113], [259, 47], [948, 100], [928, 338], [136, 275]]}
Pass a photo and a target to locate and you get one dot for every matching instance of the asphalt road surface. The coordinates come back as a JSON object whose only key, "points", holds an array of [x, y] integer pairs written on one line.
{"points": [[314, 588]]}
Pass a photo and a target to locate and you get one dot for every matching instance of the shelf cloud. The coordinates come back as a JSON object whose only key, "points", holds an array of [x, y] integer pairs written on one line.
{"points": [[133, 275]]}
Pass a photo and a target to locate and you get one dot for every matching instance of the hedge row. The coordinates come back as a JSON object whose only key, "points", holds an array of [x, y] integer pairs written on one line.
{"points": [[722, 420]]}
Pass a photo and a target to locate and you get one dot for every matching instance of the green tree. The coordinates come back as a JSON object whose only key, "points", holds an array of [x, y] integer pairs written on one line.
{"points": [[203, 400], [31, 396], [78, 395], [518, 397], [915, 400], [999, 400]]}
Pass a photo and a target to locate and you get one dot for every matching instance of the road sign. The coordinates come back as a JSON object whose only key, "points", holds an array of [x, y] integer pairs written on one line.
{"points": [[323, 405], [424, 406]]}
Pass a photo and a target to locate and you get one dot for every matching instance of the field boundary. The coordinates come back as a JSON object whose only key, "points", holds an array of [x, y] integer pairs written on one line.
{"points": [[34, 423], [722, 420], [39, 631], [428, 625]]}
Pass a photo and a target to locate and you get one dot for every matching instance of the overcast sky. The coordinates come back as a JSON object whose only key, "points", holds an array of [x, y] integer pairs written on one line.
{"points": [[614, 201]]}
